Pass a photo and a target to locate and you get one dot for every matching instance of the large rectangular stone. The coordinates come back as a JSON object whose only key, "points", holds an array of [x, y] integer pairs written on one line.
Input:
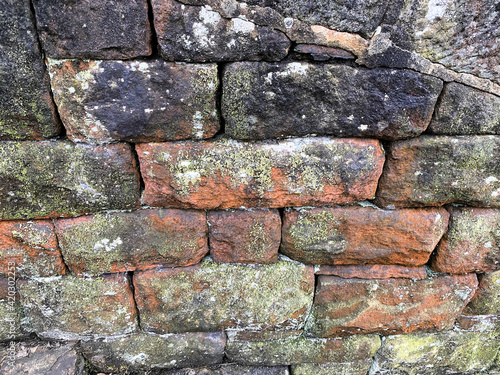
{"points": [[117, 242], [145, 352], [29, 249], [135, 100], [212, 296], [51, 179], [229, 174], [263, 100], [362, 235], [298, 350], [93, 29], [26, 109], [472, 242], [434, 170], [355, 306], [198, 32], [72, 308]]}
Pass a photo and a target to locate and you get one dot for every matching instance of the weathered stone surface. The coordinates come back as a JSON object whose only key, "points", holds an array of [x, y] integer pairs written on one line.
{"points": [[322, 53], [486, 301], [200, 33], [461, 35], [244, 236], [212, 296], [343, 306], [355, 16], [231, 369], [36, 358], [432, 171], [95, 29], [472, 242], [478, 323], [230, 174], [375, 271], [263, 100], [71, 308], [13, 325], [50, 179], [117, 242], [26, 108], [451, 352], [29, 249], [352, 368], [142, 352], [362, 235], [302, 350], [137, 101], [463, 110]]}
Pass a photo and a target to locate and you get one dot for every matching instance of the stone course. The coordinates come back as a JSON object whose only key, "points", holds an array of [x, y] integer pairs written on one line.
{"points": [[293, 187]]}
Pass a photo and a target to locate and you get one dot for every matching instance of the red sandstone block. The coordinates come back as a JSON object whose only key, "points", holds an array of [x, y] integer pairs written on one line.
{"points": [[72, 308], [472, 242], [375, 271], [362, 235], [344, 306], [29, 249], [244, 236], [435, 170], [230, 174], [125, 241]]}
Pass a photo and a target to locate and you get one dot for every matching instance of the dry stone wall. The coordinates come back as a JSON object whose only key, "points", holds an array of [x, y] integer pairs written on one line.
{"points": [[250, 187]]}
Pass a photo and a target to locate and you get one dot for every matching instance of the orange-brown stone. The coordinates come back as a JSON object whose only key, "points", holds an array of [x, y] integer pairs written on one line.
{"points": [[372, 271], [244, 236], [362, 235], [29, 249], [125, 241], [354, 306], [472, 242], [230, 174]]}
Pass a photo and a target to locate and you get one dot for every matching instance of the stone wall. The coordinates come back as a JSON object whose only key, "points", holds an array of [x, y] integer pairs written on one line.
{"points": [[250, 187]]}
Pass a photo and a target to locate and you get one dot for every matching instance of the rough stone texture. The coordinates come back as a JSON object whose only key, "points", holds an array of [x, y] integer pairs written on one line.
{"points": [[29, 249], [137, 101], [486, 301], [432, 171], [322, 53], [355, 16], [375, 271], [13, 324], [70, 308], [463, 110], [302, 350], [472, 242], [37, 358], [478, 323], [461, 35], [230, 174], [200, 33], [26, 108], [352, 368], [117, 242], [263, 100], [95, 29], [354, 306], [244, 236], [211, 297], [142, 352], [451, 352], [50, 179], [362, 235], [231, 369]]}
